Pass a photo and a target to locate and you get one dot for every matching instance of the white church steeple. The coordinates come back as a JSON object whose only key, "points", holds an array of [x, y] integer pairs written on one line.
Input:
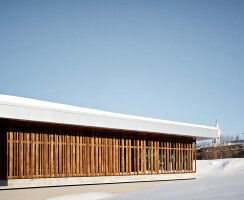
{"points": [[218, 140], [217, 123]]}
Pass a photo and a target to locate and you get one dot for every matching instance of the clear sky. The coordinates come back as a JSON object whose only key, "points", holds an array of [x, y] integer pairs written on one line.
{"points": [[173, 60]]}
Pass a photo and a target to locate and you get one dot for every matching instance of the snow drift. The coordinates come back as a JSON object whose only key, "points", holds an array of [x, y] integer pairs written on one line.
{"points": [[215, 179]]}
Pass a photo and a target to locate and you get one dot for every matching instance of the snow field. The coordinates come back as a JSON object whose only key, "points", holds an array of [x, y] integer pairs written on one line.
{"points": [[215, 179]]}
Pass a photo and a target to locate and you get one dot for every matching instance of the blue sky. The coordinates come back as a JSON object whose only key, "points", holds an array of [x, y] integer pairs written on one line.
{"points": [[173, 60]]}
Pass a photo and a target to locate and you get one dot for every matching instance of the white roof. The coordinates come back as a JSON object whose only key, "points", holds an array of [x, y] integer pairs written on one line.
{"points": [[12, 107]]}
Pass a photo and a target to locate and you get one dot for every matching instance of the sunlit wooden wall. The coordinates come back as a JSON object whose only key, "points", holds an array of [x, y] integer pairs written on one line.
{"points": [[35, 152]]}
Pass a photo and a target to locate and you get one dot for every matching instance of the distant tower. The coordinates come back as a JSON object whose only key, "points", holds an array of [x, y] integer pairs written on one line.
{"points": [[218, 140]]}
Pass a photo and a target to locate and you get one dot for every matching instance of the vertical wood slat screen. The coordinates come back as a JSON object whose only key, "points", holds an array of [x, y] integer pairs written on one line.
{"points": [[43, 153]]}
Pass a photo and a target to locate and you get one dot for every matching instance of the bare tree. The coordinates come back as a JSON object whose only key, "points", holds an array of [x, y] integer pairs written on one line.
{"points": [[237, 138], [227, 138]]}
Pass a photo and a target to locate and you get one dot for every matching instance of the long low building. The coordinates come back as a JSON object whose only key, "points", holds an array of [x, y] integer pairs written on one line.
{"points": [[44, 144]]}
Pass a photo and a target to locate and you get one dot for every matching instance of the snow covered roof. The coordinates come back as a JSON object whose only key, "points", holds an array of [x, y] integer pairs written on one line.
{"points": [[12, 107]]}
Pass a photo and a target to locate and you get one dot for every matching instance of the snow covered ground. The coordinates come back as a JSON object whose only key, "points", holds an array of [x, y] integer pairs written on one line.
{"points": [[85, 196], [215, 179]]}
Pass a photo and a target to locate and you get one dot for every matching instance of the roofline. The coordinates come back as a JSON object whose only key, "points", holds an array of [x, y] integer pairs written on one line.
{"points": [[12, 107]]}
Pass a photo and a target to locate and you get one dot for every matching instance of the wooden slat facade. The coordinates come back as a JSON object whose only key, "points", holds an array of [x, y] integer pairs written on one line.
{"points": [[55, 151]]}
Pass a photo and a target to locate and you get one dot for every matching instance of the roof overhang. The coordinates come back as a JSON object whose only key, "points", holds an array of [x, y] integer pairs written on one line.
{"points": [[19, 108]]}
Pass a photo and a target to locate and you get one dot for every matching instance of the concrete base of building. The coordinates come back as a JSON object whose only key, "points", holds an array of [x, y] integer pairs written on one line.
{"points": [[46, 182]]}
